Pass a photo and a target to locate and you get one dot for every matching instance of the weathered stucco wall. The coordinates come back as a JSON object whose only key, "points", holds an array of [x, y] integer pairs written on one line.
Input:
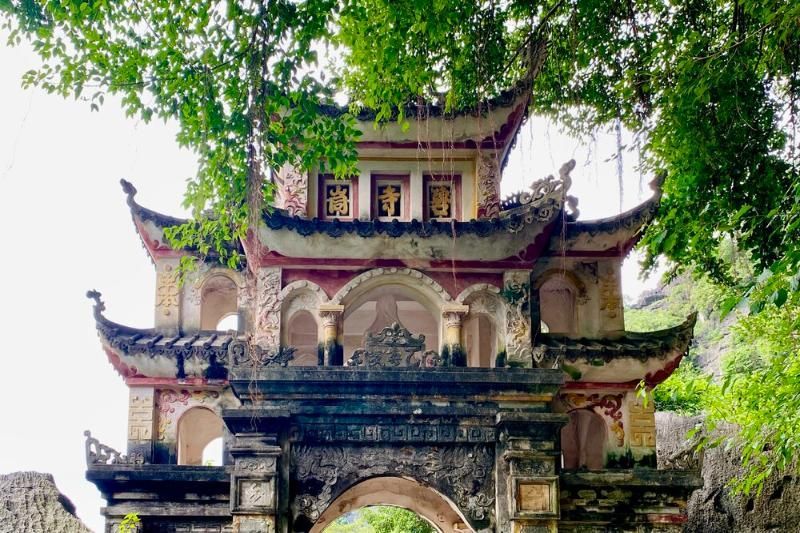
{"points": [[714, 509], [31, 503]]}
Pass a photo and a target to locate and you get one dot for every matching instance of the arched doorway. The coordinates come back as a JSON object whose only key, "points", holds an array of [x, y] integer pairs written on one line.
{"points": [[197, 428], [420, 499]]}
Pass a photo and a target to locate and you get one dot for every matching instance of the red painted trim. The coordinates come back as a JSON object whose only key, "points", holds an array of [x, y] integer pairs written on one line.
{"points": [[321, 197], [611, 252], [654, 518], [455, 179], [598, 385], [272, 258], [136, 381], [122, 369], [405, 192]]}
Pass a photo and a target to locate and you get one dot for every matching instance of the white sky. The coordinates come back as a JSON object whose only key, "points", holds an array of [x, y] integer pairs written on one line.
{"points": [[65, 228]]}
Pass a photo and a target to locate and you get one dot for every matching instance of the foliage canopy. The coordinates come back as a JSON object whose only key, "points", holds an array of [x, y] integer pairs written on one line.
{"points": [[709, 87]]}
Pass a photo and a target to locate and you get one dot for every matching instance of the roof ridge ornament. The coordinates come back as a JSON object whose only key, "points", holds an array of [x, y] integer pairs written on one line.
{"points": [[99, 305], [130, 191], [546, 188]]}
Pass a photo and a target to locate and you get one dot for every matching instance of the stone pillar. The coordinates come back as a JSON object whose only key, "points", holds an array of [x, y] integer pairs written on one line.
{"points": [[254, 483], [141, 418], [331, 317], [452, 318], [488, 184], [268, 308], [527, 472], [519, 350], [168, 297]]}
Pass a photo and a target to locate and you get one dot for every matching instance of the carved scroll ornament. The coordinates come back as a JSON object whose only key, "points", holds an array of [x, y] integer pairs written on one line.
{"points": [[394, 346]]}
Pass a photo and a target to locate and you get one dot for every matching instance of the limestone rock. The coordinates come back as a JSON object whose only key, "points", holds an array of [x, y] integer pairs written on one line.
{"points": [[31, 503], [714, 509]]}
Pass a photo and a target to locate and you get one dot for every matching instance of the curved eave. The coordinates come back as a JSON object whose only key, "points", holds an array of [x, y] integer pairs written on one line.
{"points": [[628, 359], [492, 124], [150, 226], [615, 235], [146, 353], [494, 239]]}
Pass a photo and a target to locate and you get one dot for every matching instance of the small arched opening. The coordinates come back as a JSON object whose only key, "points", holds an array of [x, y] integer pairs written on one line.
{"points": [[384, 305], [199, 428], [302, 336], [480, 341], [219, 304], [583, 440], [427, 503], [557, 306]]}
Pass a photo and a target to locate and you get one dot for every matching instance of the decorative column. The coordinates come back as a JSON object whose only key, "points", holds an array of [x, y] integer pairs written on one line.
{"points": [[268, 308], [527, 487], [610, 292], [168, 295], [332, 346], [488, 184], [516, 291], [141, 411], [254, 483], [452, 318]]}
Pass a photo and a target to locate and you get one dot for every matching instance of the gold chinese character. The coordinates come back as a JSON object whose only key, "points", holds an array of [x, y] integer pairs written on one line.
{"points": [[388, 199], [440, 201], [339, 201]]}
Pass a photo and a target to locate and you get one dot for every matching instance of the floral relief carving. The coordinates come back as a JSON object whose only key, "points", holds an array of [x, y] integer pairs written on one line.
{"points": [[172, 404], [292, 190], [609, 405], [269, 306]]}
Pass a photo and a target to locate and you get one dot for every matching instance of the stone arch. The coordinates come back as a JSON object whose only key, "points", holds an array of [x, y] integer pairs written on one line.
{"points": [[483, 330], [300, 296], [392, 286], [402, 276], [559, 292], [216, 292], [409, 494], [583, 440], [197, 427]]}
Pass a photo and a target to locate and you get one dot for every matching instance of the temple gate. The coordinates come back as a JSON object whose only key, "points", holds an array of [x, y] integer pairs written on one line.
{"points": [[401, 337]]}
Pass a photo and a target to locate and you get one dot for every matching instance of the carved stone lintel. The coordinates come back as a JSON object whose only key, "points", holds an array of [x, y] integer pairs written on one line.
{"points": [[463, 473]]}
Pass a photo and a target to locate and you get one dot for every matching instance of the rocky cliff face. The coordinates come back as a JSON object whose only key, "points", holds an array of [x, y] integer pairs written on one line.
{"points": [[714, 509], [31, 503]]}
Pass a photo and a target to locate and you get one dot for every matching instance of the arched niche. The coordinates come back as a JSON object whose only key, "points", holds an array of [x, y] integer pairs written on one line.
{"points": [[558, 296], [483, 329], [197, 427], [300, 324], [218, 300], [583, 440], [381, 306], [428, 503], [302, 333]]}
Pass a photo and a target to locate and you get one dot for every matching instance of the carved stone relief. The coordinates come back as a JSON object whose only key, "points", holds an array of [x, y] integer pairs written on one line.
{"points": [[642, 429], [292, 190], [167, 290], [172, 404], [463, 473], [610, 298], [140, 414], [518, 320], [269, 306], [488, 185]]}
